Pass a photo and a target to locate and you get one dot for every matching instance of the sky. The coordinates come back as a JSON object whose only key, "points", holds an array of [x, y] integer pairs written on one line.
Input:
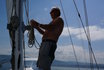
{"points": [[40, 11]]}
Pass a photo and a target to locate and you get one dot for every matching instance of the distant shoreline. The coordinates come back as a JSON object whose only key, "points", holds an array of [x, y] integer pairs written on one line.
{"points": [[4, 59]]}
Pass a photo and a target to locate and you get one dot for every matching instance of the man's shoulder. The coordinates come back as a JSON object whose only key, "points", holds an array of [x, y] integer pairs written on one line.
{"points": [[59, 19]]}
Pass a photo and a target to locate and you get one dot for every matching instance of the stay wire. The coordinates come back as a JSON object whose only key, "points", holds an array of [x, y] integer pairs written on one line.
{"points": [[24, 52], [70, 36], [91, 62], [83, 46], [23, 39], [89, 44], [27, 10], [88, 31], [91, 53]]}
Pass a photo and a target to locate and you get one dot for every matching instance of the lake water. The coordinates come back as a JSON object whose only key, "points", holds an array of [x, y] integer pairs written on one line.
{"points": [[5, 65], [70, 68], [54, 68]]}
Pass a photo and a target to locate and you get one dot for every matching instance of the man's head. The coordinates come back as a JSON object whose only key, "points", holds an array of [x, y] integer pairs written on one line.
{"points": [[55, 12]]}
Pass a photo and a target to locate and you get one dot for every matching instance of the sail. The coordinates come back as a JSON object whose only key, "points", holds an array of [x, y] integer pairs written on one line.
{"points": [[15, 19], [9, 4], [9, 8]]}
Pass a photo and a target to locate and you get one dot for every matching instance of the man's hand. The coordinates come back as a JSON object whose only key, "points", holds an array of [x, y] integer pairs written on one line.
{"points": [[34, 23]]}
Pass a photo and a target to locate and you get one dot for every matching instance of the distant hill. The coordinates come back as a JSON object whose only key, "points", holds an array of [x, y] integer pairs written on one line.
{"points": [[5, 62], [74, 64], [4, 59]]}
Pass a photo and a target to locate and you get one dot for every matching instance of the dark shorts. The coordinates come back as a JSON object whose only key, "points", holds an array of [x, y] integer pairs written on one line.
{"points": [[46, 54]]}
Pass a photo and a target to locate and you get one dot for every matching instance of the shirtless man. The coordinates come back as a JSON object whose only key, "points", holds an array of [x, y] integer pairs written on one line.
{"points": [[51, 33]]}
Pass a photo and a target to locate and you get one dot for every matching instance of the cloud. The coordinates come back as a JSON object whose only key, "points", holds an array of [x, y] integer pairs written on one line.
{"points": [[96, 33], [45, 9], [102, 22], [73, 31], [65, 53]]}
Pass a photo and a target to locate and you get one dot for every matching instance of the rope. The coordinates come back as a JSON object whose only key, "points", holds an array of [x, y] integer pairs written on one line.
{"points": [[32, 39], [30, 34], [70, 36]]}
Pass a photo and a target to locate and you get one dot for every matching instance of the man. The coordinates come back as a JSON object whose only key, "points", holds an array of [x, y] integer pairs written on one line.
{"points": [[51, 33]]}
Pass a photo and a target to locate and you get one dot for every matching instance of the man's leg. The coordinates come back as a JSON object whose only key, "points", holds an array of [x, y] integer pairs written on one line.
{"points": [[44, 61]]}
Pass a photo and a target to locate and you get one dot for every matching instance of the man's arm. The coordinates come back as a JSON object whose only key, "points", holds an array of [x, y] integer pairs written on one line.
{"points": [[47, 26], [35, 25], [40, 30], [51, 26]]}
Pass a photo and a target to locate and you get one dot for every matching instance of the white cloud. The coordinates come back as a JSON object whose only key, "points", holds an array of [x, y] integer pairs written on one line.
{"points": [[96, 33], [102, 22], [45, 9], [74, 31], [65, 53]]}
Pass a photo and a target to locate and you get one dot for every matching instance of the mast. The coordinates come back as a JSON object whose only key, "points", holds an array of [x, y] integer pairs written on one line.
{"points": [[15, 26]]}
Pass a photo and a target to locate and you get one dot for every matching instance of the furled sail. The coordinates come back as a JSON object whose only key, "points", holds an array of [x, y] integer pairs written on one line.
{"points": [[15, 27]]}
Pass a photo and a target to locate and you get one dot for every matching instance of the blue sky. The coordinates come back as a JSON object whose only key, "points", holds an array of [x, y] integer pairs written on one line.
{"points": [[40, 11]]}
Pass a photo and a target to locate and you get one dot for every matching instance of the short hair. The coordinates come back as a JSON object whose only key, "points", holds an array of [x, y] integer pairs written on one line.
{"points": [[57, 10]]}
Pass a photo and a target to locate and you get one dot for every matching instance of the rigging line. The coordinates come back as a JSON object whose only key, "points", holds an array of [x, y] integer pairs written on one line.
{"points": [[27, 10], [30, 32], [84, 31], [90, 48], [36, 42], [88, 31], [89, 44], [70, 36], [12, 33], [32, 39], [24, 52], [81, 40], [82, 43], [80, 18], [83, 46]]}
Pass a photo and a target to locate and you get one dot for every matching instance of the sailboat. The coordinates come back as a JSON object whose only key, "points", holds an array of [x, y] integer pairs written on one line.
{"points": [[16, 29]]}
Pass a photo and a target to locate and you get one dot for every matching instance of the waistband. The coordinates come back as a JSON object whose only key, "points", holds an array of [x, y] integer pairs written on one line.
{"points": [[48, 40]]}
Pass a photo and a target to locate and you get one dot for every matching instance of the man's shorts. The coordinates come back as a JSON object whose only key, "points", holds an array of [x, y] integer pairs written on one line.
{"points": [[46, 54]]}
